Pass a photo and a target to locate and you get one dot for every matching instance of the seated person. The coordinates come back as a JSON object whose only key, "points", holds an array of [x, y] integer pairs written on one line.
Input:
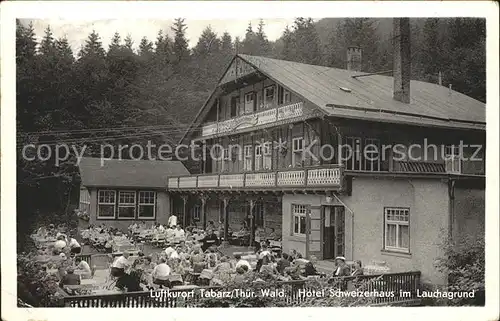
{"points": [[179, 233], [209, 240], [59, 245], [241, 262], [169, 233], [129, 282], [273, 235], [42, 231], [169, 250], [211, 258], [175, 254], [240, 276], [283, 263], [198, 235], [198, 261], [358, 270], [74, 246], [342, 267], [309, 270], [120, 264], [161, 274], [148, 263], [82, 266], [210, 227], [267, 270], [70, 278], [64, 236]]}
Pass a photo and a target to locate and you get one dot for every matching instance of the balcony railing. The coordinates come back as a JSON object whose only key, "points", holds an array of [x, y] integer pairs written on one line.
{"points": [[248, 121], [313, 177]]}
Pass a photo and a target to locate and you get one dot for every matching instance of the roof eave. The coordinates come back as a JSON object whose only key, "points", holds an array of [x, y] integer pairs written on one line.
{"points": [[156, 188], [445, 123]]}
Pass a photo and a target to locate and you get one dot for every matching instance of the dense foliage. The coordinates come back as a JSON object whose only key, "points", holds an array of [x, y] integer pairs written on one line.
{"points": [[34, 285], [119, 95], [464, 262]]}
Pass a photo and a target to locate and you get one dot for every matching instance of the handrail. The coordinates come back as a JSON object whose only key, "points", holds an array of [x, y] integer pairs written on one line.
{"points": [[396, 283], [217, 176]]}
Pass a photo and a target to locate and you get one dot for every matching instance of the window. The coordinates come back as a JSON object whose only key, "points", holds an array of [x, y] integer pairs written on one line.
{"points": [[266, 160], [248, 158], [235, 106], [372, 154], [452, 151], [147, 205], [126, 204], [196, 212], [397, 229], [351, 153], [299, 219], [226, 154], [106, 204], [268, 97], [284, 96], [250, 103], [297, 148], [225, 158], [258, 157]]}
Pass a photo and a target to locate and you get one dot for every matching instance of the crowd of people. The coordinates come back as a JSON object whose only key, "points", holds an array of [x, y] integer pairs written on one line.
{"points": [[190, 256], [63, 243], [188, 263]]}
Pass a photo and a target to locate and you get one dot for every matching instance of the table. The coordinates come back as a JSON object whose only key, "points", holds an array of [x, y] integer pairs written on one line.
{"points": [[88, 282], [185, 287]]}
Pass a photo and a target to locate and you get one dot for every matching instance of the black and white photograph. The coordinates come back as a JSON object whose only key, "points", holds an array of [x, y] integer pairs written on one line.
{"points": [[306, 160]]}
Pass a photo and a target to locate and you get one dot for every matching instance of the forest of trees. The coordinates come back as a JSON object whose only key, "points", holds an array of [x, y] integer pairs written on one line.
{"points": [[119, 95]]}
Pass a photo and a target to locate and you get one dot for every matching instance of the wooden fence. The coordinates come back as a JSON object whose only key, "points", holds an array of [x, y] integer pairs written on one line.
{"points": [[384, 289]]}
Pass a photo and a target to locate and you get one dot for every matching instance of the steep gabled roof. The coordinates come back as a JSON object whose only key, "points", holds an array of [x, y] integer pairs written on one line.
{"points": [[326, 87], [128, 173], [337, 93]]}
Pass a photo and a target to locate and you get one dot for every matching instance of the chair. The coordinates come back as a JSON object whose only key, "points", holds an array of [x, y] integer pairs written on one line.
{"points": [[176, 279], [160, 240]]}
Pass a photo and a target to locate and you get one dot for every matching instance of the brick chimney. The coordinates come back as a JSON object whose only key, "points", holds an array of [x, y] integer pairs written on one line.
{"points": [[402, 59], [354, 58]]}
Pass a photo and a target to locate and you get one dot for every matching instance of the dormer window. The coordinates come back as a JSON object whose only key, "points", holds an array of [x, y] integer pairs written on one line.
{"points": [[269, 96], [248, 158], [226, 154], [297, 148], [235, 102], [267, 160], [250, 103], [284, 96], [258, 157]]}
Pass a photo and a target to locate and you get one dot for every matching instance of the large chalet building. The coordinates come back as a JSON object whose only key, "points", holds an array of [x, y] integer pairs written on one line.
{"points": [[397, 207]]}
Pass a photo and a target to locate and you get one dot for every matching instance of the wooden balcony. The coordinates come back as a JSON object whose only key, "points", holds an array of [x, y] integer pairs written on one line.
{"points": [[248, 122], [312, 178]]}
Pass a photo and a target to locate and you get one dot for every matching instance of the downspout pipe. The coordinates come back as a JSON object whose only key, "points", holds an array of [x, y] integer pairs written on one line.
{"points": [[451, 208]]}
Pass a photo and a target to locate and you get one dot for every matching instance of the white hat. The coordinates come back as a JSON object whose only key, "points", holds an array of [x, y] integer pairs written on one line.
{"points": [[340, 258]]}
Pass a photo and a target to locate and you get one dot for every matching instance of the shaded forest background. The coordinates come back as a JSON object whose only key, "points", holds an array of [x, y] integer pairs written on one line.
{"points": [[118, 95]]}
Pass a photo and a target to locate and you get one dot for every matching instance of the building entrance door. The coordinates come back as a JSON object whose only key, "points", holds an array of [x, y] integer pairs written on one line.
{"points": [[333, 222]]}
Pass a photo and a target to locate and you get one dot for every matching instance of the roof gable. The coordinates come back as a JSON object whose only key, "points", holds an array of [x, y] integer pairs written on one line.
{"points": [[335, 92], [237, 68], [128, 173]]}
